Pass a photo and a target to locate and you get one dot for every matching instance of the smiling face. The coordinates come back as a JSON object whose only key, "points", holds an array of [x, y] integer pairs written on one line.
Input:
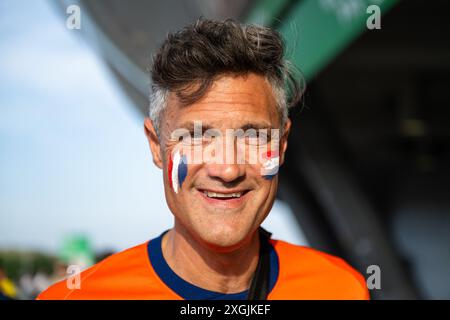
{"points": [[220, 204]]}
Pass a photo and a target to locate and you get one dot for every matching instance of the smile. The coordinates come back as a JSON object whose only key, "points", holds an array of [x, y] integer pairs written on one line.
{"points": [[210, 194], [224, 199]]}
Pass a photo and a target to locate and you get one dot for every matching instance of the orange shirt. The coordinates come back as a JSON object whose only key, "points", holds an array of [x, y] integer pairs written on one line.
{"points": [[304, 273]]}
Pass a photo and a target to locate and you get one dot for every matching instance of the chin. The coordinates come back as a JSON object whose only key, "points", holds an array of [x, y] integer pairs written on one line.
{"points": [[224, 238]]}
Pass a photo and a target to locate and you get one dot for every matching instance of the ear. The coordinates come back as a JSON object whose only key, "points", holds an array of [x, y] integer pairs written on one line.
{"points": [[284, 140], [153, 140]]}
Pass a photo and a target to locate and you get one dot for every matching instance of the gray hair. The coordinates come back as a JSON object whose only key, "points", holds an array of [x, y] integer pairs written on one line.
{"points": [[202, 51]]}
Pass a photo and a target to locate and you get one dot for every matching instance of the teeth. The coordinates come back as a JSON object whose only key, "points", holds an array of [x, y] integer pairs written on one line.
{"points": [[222, 195]]}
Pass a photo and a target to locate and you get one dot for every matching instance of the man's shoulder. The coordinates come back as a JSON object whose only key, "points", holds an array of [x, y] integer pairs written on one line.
{"points": [[321, 274], [312, 258], [127, 266]]}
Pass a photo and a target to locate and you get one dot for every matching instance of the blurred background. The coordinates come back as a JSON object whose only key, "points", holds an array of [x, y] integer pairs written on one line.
{"points": [[367, 170]]}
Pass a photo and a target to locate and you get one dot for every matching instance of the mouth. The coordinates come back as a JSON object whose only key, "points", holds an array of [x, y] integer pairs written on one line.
{"points": [[227, 199]]}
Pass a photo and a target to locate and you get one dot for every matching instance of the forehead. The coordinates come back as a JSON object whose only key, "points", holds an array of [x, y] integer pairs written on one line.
{"points": [[230, 102]]}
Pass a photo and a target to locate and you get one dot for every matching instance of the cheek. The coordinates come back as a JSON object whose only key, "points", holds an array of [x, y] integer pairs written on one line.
{"points": [[169, 171], [270, 164], [177, 170]]}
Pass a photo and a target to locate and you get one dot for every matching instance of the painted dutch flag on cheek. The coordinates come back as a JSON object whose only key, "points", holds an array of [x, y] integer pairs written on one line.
{"points": [[270, 164], [177, 171]]}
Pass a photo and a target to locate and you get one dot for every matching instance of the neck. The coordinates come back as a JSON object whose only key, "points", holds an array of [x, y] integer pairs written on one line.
{"points": [[225, 272]]}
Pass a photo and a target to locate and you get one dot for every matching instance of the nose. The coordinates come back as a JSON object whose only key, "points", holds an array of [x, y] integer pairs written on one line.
{"points": [[226, 172]]}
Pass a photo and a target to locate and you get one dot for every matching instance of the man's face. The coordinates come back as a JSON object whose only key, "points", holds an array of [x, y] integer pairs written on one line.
{"points": [[220, 203]]}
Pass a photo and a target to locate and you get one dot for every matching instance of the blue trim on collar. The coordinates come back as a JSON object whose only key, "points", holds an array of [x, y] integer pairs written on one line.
{"points": [[190, 291]]}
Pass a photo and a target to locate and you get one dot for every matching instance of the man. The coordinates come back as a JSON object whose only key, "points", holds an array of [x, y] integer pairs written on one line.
{"points": [[210, 79]]}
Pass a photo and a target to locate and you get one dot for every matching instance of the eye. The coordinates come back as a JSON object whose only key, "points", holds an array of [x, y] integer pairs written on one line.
{"points": [[256, 139], [184, 139]]}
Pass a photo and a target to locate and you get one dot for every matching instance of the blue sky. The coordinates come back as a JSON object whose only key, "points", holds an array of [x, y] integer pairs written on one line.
{"points": [[73, 155]]}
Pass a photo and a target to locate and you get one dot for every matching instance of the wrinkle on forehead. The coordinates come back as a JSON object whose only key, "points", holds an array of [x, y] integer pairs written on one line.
{"points": [[250, 88], [230, 98]]}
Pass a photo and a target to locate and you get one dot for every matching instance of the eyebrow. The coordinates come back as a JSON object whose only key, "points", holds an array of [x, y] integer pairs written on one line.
{"points": [[189, 125], [257, 126]]}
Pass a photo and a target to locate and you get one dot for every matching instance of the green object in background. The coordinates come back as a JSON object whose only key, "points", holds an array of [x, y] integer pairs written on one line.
{"points": [[16, 263], [266, 12], [316, 31], [77, 250]]}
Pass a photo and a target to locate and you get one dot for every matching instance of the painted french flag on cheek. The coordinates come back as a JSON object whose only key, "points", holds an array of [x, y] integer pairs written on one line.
{"points": [[177, 170], [270, 165]]}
